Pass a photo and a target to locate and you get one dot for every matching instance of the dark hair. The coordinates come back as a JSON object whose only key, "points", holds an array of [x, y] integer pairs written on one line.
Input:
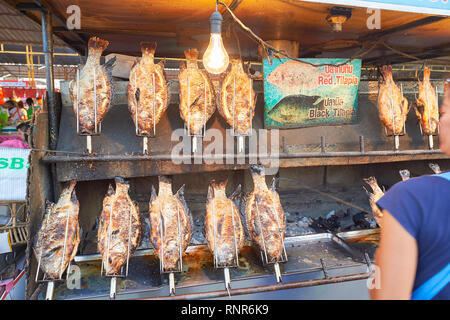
{"points": [[24, 127], [30, 102], [10, 102], [20, 104]]}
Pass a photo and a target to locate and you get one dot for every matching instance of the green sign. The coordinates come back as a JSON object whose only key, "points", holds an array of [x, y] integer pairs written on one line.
{"points": [[299, 94]]}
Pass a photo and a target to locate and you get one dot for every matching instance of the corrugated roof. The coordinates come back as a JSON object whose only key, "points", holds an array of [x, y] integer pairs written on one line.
{"points": [[16, 28]]}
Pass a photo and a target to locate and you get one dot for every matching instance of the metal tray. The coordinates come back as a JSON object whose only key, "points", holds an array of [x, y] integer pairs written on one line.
{"points": [[306, 254]]}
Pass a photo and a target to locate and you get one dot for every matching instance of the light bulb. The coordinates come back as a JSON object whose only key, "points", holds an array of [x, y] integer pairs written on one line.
{"points": [[215, 59]]}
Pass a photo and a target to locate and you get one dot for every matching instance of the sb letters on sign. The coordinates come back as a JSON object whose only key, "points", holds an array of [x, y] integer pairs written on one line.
{"points": [[13, 173], [310, 92]]}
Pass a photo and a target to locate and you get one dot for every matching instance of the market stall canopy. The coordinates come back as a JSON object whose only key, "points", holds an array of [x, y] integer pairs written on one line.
{"points": [[180, 24], [19, 33]]}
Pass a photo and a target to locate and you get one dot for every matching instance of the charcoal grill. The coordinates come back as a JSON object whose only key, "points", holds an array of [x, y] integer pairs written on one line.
{"points": [[338, 160]]}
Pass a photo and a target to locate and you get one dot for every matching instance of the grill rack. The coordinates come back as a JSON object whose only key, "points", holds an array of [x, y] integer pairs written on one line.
{"points": [[187, 129], [51, 282], [387, 134], [283, 257], [250, 132], [436, 133], [97, 128], [180, 251], [113, 286], [138, 131], [217, 264]]}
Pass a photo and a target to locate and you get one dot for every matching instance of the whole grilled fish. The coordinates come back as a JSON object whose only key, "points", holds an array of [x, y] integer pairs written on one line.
{"points": [[237, 98], [59, 226], [265, 216], [426, 105], [120, 230], [392, 106], [147, 91], [170, 224], [197, 96], [89, 98], [223, 227], [293, 76], [294, 109], [376, 195]]}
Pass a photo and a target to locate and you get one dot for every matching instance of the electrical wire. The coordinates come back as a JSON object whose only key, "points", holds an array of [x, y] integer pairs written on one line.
{"points": [[267, 47]]}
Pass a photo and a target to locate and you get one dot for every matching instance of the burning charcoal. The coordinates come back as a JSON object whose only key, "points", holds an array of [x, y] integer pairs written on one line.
{"points": [[349, 212], [340, 214], [323, 225], [330, 214], [360, 220]]}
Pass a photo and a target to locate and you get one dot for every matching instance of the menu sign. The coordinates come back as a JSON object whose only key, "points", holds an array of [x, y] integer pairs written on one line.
{"points": [[310, 92]]}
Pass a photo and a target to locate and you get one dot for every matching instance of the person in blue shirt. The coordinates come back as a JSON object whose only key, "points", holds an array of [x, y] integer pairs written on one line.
{"points": [[413, 256]]}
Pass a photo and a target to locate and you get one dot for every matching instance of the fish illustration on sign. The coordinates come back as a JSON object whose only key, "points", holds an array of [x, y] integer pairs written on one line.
{"points": [[294, 108], [293, 76]]}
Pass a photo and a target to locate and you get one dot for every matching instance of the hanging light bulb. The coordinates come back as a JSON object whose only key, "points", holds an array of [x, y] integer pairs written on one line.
{"points": [[216, 58]]}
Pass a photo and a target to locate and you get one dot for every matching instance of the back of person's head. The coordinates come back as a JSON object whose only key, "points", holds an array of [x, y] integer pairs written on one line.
{"points": [[9, 104], [29, 102], [24, 127], [20, 104]]}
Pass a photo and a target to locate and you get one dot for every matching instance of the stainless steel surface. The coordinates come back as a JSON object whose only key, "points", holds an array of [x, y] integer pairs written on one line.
{"points": [[306, 254]]}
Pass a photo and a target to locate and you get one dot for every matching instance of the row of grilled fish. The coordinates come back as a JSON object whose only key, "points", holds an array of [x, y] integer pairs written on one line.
{"points": [[393, 106], [148, 93], [120, 228], [377, 192]]}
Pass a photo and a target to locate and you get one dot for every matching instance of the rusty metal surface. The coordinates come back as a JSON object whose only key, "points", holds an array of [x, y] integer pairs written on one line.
{"points": [[39, 188], [305, 254]]}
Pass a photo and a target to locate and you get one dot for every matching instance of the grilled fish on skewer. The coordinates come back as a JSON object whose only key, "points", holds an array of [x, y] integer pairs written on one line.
{"points": [[195, 87], [90, 98], [426, 105], [376, 195], [120, 230], [237, 99], [265, 216], [170, 224], [392, 106], [153, 100], [435, 167], [223, 227], [405, 174], [59, 226]]}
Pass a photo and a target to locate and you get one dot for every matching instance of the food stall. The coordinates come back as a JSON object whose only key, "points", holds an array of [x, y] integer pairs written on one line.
{"points": [[313, 86]]}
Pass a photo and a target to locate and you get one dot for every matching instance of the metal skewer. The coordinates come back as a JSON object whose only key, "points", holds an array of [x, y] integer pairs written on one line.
{"points": [[113, 288], [50, 290]]}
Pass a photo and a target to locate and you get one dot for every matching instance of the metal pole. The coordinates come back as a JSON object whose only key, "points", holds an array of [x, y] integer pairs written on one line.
{"points": [[47, 41]]}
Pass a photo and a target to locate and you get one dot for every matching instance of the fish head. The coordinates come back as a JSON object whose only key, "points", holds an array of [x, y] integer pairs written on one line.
{"points": [[225, 253], [171, 255], [274, 245]]}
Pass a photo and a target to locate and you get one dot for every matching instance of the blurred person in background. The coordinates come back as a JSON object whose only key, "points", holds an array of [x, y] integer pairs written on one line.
{"points": [[17, 141], [17, 113], [29, 105], [413, 256]]}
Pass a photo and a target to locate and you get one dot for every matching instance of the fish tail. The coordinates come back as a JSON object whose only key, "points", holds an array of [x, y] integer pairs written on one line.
{"points": [[191, 54], [165, 182], [426, 74], [386, 71], [219, 185], [148, 48], [97, 44]]}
